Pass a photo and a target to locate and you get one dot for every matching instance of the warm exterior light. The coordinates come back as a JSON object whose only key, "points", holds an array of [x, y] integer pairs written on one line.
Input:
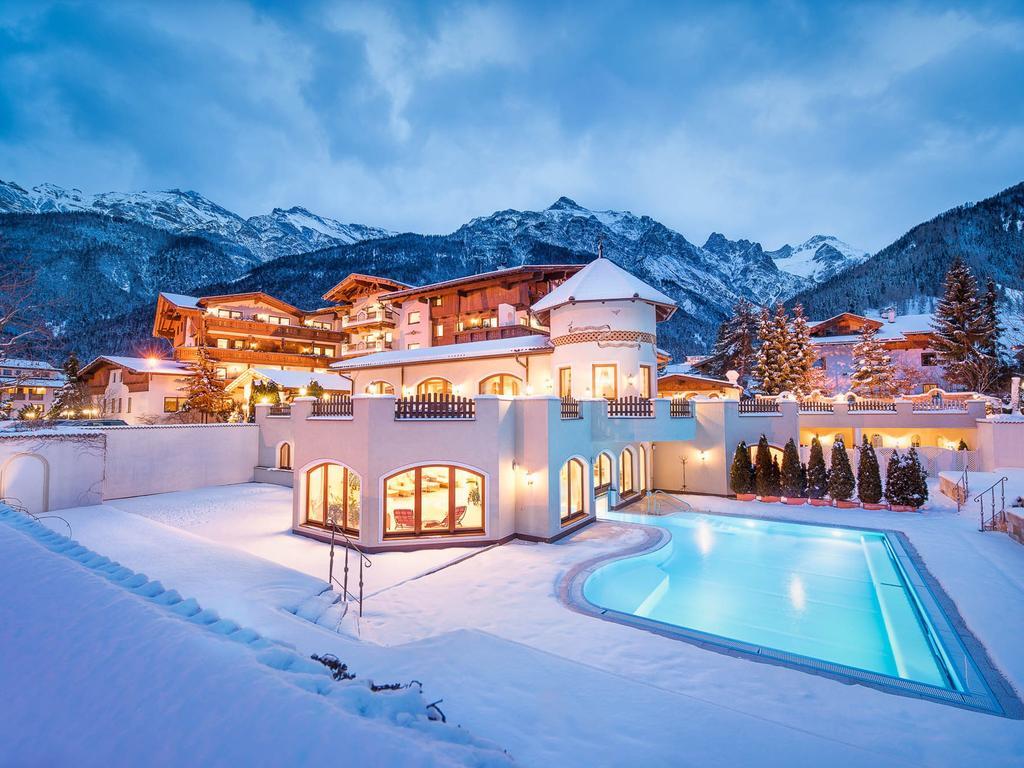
{"points": [[457, 389], [264, 400], [302, 391], [703, 455], [528, 476], [326, 398], [152, 360], [529, 389]]}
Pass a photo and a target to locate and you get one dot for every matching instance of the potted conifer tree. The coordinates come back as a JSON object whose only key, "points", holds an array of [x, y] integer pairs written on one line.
{"points": [[869, 478], [817, 476], [917, 480], [896, 491], [766, 482], [741, 474], [793, 481], [840, 477]]}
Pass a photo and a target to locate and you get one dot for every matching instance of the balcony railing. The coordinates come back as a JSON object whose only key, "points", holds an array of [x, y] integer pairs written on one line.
{"points": [[857, 406], [366, 347], [280, 410], [443, 407], [816, 406], [480, 333], [370, 317], [753, 407], [925, 406], [631, 408], [275, 357], [571, 408], [261, 328], [680, 408], [333, 405]]}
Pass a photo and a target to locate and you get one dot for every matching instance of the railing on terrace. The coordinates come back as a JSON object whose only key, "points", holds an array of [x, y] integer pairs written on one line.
{"points": [[571, 408], [944, 405], [855, 406], [680, 409], [280, 410], [633, 407], [334, 405], [754, 406], [816, 406], [435, 407], [996, 520]]}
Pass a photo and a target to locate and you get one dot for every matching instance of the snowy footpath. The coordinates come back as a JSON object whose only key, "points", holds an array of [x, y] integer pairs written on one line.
{"points": [[514, 666]]}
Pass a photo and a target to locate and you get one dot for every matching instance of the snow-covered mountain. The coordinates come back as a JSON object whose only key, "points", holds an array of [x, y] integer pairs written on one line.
{"points": [[265, 237], [818, 259]]}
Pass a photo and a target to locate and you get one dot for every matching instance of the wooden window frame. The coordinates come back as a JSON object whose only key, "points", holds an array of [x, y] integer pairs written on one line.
{"points": [[414, 313], [567, 515], [284, 461], [641, 469], [561, 392], [418, 531], [632, 466], [615, 379], [375, 384], [323, 497], [645, 380], [449, 382], [606, 483], [502, 376]]}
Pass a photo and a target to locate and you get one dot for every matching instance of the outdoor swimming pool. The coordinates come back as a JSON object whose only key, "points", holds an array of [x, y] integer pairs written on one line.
{"points": [[848, 602]]}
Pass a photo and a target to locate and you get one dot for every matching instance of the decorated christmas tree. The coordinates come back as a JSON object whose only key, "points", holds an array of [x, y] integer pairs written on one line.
{"points": [[763, 468], [840, 475], [869, 478], [817, 474], [874, 374], [792, 481], [736, 344], [741, 474]]}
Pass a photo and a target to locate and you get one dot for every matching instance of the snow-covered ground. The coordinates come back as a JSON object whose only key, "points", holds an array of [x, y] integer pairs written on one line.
{"points": [[513, 665]]}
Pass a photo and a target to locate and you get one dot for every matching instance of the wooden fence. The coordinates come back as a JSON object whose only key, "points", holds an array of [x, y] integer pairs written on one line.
{"points": [[755, 406], [631, 407], [435, 407], [334, 405], [570, 408], [680, 409], [857, 406]]}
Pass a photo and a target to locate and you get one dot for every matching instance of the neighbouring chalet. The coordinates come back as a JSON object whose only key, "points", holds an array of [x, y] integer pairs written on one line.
{"points": [[136, 389], [684, 380], [26, 383], [908, 338]]}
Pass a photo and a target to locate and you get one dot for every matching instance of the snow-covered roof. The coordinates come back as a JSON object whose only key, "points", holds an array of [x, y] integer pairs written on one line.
{"points": [[687, 370], [604, 280], [181, 300], [472, 349], [15, 362], [55, 382], [332, 382], [430, 287], [144, 365], [896, 330]]}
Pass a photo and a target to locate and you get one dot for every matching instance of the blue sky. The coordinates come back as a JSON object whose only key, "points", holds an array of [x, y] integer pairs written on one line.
{"points": [[771, 121]]}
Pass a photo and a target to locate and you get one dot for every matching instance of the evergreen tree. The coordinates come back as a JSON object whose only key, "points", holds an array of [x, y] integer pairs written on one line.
{"points": [[772, 369], [992, 329], [736, 344], [895, 480], [840, 475], [792, 482], [801, 354], [763, 468], [803, 481], [72, 398], [313, 389], [817, 474], [917, 480], [965, 331], [875, 374], [204, 391], [741, 474], [869, 478], [775, 478]]}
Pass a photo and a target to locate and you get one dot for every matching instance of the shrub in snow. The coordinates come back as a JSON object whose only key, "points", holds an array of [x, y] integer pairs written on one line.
{"points": [[398, 707], [792, 475], [741, 474], [817, 474], [840, 476], [869, 477]]}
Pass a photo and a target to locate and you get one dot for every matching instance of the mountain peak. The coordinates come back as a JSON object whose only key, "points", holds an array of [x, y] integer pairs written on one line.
{"points": [[565, 204]]}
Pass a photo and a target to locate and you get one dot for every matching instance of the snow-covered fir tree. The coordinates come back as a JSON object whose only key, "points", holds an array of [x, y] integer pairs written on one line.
{"points": [[73, 396], [965, 331], [204, 391], [736, 344], [802, 378], [772, 369], [875, 374]]}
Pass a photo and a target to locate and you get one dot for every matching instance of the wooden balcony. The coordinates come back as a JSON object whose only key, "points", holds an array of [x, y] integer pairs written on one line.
{"points": [[370, 318], [366, 348], [254, 357], [258, 328], [497, 332]]}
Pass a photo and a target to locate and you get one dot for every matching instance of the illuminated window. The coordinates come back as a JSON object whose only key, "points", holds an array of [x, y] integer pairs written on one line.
{"points": [[332, 496], [642, 467], [571, 491], [500, 384], [171, 404], [645, 381], [565, 382], [626, 473], [284, 456], [432, 501], [414, 317], [602, 472], [605, 381], [232, 314], [915, 441], [876, 440], [434, 386], [413, 345], [439, 329], [379, 388]]}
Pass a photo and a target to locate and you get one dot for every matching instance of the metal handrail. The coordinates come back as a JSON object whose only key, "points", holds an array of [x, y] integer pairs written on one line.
{"points": [[980, 498], [363, 561], [16, 504], [961, 498], [653, 497]]}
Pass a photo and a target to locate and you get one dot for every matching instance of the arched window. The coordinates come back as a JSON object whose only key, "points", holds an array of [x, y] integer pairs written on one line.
{"points": [[915, 441], [572, 490], [284, 456], [876, 440], [626, 486], [434, 386], [500, 384], [333, 495], [434, 500], [642, 466], [380, 388], [602, 473]]}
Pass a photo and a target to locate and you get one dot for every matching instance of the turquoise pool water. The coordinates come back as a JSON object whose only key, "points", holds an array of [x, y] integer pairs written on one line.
{"points": [[828, 594]]}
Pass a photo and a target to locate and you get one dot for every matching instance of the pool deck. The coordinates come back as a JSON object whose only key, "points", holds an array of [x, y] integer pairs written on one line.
{"points": [[555, 687]]}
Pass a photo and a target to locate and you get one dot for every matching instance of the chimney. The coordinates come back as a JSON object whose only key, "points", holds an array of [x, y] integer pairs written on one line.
{"points": [[890, 314]]}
